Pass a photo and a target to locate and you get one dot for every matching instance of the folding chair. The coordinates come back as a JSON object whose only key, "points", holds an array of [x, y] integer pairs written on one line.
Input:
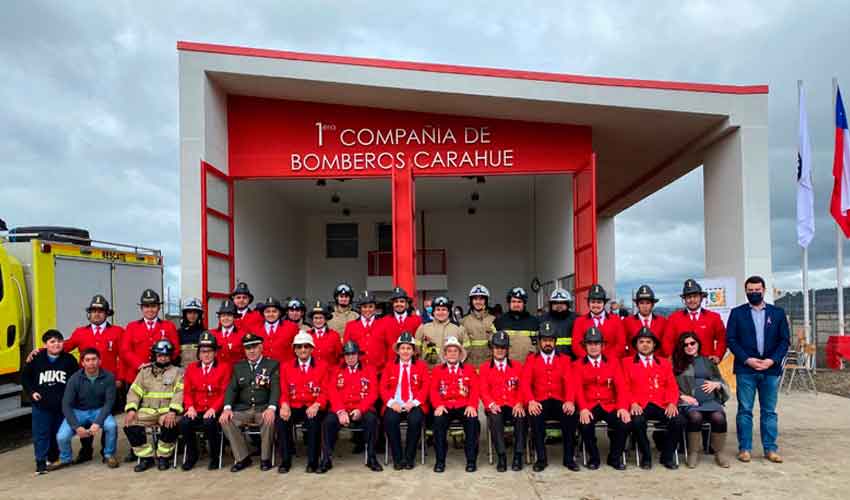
{"points": [[254, 430], [530, 451], [203, 436], [600, 425], [655, 426]]}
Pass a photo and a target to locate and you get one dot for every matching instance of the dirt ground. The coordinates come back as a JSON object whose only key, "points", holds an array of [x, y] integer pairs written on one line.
{"points": [[814, 439]]}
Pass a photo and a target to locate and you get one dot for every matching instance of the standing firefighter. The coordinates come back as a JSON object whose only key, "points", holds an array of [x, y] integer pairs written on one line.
{"points": [[328, 346], [368, 332], [645, 317], [610, 325], [402, 319], [520, 325], [191, 327], [431, 336], [155, 399], [478, 324], [708, 325], [247, 319], [343, 312], [561, 317], [228, 336], [141, 335]]}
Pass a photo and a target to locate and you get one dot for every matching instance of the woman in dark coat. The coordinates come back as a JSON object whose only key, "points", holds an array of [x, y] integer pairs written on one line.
{"points": [[702, 394]]}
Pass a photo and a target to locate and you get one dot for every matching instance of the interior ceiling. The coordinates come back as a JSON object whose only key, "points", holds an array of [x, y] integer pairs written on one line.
{"points": [[373, 195], [629, 142]]}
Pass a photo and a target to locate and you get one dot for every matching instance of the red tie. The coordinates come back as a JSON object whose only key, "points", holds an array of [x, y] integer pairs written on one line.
{"points": [[97, 330], [272, 329], [150, 326], [369, 323], [646, 322], [502, 368], [405, 385], [304, 369], [694, 316]]}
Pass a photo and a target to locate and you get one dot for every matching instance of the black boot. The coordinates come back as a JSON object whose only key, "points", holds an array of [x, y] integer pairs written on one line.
{"points": [[144, 464], [440, 467], [517, 463], [502, 463], [373, 464], [325, 465], [163, 463], [191, 459], [539, 466], [471, 466], [242, 464]]}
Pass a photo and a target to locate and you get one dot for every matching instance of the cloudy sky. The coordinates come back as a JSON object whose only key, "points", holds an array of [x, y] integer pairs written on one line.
{"points": [[88, 98]]}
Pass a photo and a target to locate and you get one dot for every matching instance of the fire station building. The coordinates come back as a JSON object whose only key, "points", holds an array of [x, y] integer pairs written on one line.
{"points": [[298, 171]]}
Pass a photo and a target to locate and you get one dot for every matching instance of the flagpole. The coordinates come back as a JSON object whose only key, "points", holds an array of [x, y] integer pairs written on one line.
{"points": [[807, 326], [839, 257]]}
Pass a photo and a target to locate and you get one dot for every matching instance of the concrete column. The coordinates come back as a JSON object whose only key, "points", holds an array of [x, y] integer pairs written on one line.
{"points": [[737, 208], [606, 255]]}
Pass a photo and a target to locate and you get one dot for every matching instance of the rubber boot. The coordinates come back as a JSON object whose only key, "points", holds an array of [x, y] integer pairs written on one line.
{"points": [[694, 449], [718, 443]]}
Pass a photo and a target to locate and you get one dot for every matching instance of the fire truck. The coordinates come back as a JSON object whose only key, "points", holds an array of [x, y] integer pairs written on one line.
{"points": [[48, 275]]}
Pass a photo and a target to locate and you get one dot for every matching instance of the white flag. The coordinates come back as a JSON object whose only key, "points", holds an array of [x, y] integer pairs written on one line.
{"points": [[805, 193]]}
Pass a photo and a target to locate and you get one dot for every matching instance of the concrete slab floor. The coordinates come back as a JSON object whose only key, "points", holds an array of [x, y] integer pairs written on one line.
{"points": [[814, 440]]}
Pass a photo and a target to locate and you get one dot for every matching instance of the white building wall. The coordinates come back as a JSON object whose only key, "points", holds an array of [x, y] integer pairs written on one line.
{"points": [[553, 227], [269, 241]]}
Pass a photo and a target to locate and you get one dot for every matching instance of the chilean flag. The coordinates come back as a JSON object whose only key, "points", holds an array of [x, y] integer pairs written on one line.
{"points": [[840, 203]]}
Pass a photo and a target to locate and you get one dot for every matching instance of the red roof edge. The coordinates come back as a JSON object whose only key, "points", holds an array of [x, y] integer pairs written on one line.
{"points": [[472, 70]]}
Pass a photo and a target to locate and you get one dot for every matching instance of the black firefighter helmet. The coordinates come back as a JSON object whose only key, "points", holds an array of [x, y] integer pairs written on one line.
{"points": [[644, 292], [596, 292], [100, 302], [691, 287], [644, 333]]}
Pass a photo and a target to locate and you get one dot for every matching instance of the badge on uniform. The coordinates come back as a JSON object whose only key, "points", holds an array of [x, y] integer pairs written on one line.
{"points": [[442, 389], [109, 346], [292, 390], [463, 385], [513, 383], [340, 381], [262, 379]]}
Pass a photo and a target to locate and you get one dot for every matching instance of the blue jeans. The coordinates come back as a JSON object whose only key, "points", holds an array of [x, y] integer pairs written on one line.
{"points": [[45, 424], [85, 419], [767, 387]]}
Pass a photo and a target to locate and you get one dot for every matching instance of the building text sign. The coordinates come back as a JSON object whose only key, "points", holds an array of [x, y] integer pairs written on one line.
{"points": [[280, 138]]}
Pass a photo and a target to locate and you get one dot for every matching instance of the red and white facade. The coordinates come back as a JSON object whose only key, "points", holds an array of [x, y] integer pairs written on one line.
{"points": [[551, 158]]}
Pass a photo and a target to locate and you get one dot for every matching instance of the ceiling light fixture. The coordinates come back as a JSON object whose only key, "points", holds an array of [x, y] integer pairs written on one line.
{"points": [[335, 198], [475, 196]]}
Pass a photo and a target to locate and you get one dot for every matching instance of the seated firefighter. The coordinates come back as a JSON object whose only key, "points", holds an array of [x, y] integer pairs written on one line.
{"points": [[251, 399], [454, 394], [353, 390], [155, 400]]}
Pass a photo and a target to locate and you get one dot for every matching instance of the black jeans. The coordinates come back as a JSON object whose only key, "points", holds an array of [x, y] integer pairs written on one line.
{"points": [[616, 429], [553, 410], [471, 431], [212, 432], [331, 426], [496, 423], [392, 425], [312, 427], [670, 438]]}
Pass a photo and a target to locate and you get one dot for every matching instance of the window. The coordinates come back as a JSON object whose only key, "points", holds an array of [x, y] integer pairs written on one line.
{"points": [[341, 241], [385, 237]]}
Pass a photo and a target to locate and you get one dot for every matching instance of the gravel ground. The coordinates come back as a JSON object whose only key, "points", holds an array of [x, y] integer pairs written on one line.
{"points": [[833, 381]]}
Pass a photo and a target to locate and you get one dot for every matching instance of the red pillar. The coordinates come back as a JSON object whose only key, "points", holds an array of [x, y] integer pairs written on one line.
{"points": [[584, 232], [404, 230]]}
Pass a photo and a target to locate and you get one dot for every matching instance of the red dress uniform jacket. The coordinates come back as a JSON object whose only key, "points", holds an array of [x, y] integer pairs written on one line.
{"points": [[457, 390], [107, 343], [541, 381], [328, 347], [502, 388], [632, 324], [352, 389], [708, 327], [372, 341], [420, 382], [612, 332], [206, 390], [392, 330], [251, 321], [603, 385], [278, 346], [652, 384], [137, 341], [230, 350], [299, 389]]}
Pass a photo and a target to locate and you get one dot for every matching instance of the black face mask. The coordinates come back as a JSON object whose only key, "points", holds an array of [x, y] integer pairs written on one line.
{"points": [[755, 298]]}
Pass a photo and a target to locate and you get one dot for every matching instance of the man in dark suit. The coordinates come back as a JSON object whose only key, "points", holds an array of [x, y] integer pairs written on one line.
{"points": [[251, 399], [758, 335]]}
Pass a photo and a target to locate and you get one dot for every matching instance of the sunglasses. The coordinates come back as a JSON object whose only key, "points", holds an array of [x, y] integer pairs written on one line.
{"points": [[689, 344]]}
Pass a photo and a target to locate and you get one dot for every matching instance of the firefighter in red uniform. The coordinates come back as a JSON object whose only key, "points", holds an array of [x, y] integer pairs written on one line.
{"points": [[404, 387], [328, 346], [368, 332], [352, 390], [455, 397], [503, 400], [204, 385], [708, 325], [402, 319], [296, 310], [654, 395], [106, 339], [645, 317], [247, 319], [277, 336], [549, 389], [602, 394], [303, 399], [610, 325], [228, 335]]}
